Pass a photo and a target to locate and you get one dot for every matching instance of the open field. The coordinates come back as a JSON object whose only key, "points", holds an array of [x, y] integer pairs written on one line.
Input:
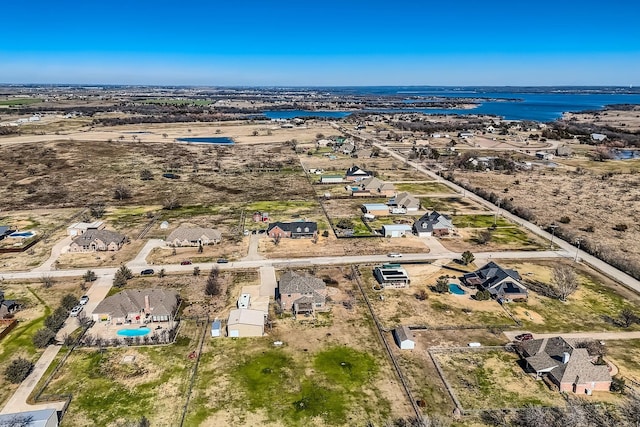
{"points": [[627, 121], [329, 372], [37, 303], [19, 101], [566, 198], [422, 188], [505, 238], [109, 391]]}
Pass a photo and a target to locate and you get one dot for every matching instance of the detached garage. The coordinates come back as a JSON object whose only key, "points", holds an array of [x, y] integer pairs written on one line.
{"points": [[404, 338], [245, 323], [396, 230]]}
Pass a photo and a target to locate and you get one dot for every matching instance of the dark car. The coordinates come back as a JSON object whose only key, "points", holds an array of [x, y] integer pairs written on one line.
{"points": [[222, 261], [170, 176], [147, 272], [524, 337], [186, 262]]}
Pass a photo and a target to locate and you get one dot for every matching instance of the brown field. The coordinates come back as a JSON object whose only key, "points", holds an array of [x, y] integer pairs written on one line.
{"points": [[627, 121], [553, 194]]}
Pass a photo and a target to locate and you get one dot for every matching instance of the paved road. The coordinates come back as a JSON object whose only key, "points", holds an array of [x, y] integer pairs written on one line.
{"points": [[18, 402], [599, 336]]}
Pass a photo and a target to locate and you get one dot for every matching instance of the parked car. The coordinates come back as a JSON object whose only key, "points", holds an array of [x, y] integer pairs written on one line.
{"points": [[84, 300], [147, 272], [186, 262], [394, 255], [75, 311], [524, 337], [222, 261]]}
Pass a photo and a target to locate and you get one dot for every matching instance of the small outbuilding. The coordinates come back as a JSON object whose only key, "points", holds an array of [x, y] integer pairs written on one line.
{"points": [[216, 328], [404, 338], [396, 230]]}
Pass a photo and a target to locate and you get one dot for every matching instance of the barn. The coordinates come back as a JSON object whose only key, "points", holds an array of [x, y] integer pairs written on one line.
{"points": [[404, 338]]}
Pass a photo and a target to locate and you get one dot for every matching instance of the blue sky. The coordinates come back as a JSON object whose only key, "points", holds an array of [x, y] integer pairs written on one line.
{"points": [[330, 42]]}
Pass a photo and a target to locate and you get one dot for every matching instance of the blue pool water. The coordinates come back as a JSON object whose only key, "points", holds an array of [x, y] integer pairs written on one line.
{"points": [[134, 332], [221, 140], [23, 234], [455, 289]]}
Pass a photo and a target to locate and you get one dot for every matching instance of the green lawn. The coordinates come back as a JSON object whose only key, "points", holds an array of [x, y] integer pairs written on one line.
{"points": [[106, 389], [423, 188], [283, 207], [286, 387], [479, 221], [19, 101]]}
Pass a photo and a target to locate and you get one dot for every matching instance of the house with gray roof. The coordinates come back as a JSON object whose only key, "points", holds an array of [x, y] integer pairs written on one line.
{"points": [[97, 240], [374, 187], [569, 368], [193, 236], [433, 224], [502, 283], [5, 230], [404, 338], [138, 306], [356, 174], [300, 293], [294, 230], [403, 203]]}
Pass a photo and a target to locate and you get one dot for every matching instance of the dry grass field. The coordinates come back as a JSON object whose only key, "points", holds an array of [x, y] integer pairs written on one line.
{"points": [[588, 204], [627, 121]]}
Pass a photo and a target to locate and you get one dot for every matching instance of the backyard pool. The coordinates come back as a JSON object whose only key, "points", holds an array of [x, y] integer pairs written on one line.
{"points": [[455, 289], [22, 234], [134, 332], [222, 140]]}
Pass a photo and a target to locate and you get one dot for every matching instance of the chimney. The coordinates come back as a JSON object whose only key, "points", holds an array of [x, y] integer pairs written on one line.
{"points": [[147, 306], [565, 357]]}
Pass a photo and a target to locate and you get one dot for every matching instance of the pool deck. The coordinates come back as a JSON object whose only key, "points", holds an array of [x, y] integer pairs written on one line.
{"points": [[109, 331]]}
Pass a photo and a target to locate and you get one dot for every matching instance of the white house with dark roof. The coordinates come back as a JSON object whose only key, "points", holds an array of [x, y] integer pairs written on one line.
{"points": [[356, 174], [433, 224], [299, 293], [502, 283], [391, 276]]}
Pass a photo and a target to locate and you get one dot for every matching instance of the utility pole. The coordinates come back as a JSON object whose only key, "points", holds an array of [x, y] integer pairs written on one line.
{"points": [[577, 249], [553, 232]]}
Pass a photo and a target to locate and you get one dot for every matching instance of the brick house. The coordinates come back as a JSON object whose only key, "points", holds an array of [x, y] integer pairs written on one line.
{"points": [[294, 230], [301, 293], [94, 240]]}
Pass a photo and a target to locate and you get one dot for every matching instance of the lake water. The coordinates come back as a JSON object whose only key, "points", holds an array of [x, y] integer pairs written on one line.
{"points": [[222, 140], [518, 104]]}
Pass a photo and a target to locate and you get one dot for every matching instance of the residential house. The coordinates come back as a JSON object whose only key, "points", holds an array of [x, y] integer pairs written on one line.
{"points": [[404, 338], [569, 368], [379, 209], [97, 240], [465, 135], [433, 224], [301, 294], [36, 418], [364, 153], [294, 230], [395, 230], [392, 276], [244, 322], [138, 306], [194, 236], [543, 155], [403, 203], [331, 179], [564, 151], [598, 137], [355, 174], [502, 283], [348, 148], [79, 228], [374, 187]]}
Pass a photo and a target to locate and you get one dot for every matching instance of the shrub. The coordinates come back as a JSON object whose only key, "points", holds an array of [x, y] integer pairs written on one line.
{"points": [[43, 337], [55, 321], [89, 276], [565, 220], [483, 295], [442, 285], [18, 370], [69, 301], [620, 227]]}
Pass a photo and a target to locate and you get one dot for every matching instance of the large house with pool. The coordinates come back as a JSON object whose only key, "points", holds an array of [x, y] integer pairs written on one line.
{"points": [[139, 306]]}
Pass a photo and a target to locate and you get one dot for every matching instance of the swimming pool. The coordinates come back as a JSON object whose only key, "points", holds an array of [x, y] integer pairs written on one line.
{"points": [[22, 234], [134, 332], [455, 289]]}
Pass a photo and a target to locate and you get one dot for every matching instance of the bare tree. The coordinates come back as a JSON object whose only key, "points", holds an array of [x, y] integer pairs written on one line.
{"points": [[565, 281], [47, 281], [121, 192], [97, 209], [212, 286]]}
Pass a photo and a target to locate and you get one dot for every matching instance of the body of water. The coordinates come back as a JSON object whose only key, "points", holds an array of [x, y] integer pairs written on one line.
{"points": [[222, 140], [538, 104]]}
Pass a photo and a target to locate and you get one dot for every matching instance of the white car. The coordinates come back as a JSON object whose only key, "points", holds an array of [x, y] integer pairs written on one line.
{"points": [[75, 311], [84, 300], [394, 255]]}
